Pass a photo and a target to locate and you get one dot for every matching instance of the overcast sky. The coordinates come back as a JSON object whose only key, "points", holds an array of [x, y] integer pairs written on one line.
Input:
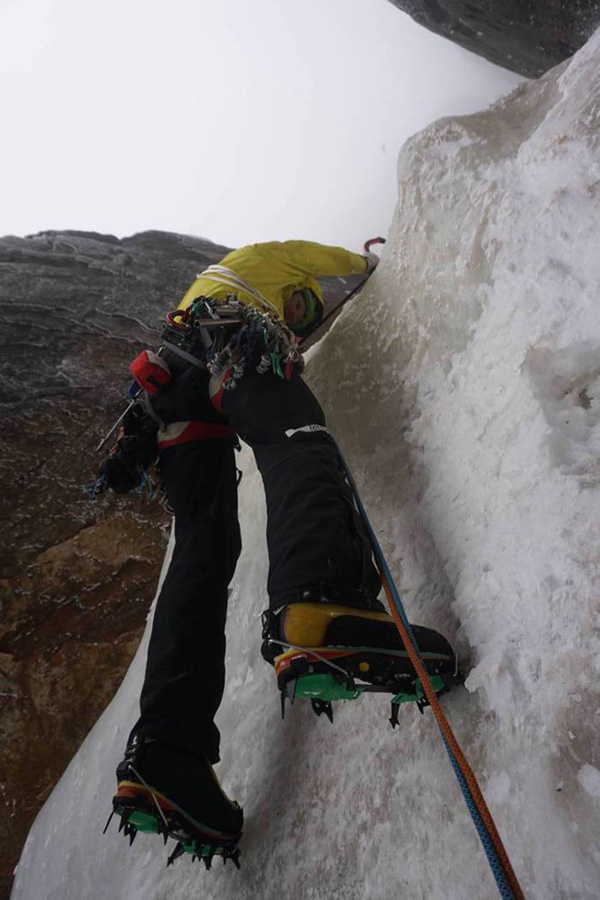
{"points": [[235, 120]]}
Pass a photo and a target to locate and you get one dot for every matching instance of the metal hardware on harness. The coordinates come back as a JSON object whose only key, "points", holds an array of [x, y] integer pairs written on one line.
{"points": [[228, 336]]}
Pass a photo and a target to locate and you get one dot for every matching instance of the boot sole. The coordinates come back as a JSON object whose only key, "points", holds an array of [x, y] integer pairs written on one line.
{"points": [[370, 664]]}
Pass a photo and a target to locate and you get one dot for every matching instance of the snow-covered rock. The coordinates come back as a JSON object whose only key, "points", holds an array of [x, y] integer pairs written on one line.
{"points": [[463, 387]]}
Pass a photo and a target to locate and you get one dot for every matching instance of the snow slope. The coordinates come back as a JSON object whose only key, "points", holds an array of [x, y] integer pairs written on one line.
{"points": [[464, 388]]}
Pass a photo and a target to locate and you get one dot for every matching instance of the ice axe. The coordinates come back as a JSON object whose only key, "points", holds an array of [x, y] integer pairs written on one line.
{"points": [[368, 244]]}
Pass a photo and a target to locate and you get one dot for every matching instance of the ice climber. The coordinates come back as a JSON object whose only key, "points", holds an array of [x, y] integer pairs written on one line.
{"points": [[230, 367]]}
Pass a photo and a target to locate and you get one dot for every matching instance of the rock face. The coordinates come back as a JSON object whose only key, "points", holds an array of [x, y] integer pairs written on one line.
{"points": [[525, 36], [77, 578]]}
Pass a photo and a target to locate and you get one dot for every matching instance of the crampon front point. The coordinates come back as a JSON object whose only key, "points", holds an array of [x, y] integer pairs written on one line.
{"points": [[142, 809]]}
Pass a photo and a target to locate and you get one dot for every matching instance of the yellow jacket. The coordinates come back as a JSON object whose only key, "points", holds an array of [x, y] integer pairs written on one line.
{"points": [[275, 270]]}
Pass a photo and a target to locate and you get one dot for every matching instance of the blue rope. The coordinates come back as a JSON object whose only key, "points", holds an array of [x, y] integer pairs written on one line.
{"points": [[484, 836], [96, 487], [147, 488]]}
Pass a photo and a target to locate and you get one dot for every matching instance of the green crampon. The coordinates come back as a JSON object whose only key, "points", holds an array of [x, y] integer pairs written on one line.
{"points": [[322, 686], [134, 821], [147, 823]]}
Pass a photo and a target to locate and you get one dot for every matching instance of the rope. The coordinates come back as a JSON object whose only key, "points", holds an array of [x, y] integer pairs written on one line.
{"points": [[147, 488], [96, 487], [504, 875], [228, 278]]}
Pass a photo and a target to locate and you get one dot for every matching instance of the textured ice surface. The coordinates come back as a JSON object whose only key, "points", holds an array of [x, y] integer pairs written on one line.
{"points": [[464, 389]]}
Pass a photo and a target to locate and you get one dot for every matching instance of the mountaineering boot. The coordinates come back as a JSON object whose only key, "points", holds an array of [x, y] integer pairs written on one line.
{"points": [[165, 790], [344, 643]]}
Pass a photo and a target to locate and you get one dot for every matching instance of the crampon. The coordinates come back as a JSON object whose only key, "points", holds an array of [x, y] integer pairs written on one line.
{"points": [[324, 675], [142, 809]]}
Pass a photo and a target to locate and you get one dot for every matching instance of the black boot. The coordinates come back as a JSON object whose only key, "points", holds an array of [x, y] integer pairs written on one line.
{"points": [[179, 794]]}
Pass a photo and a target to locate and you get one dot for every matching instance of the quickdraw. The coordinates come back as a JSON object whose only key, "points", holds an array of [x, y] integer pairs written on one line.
{"points": [[177, 318], [230, 337]]}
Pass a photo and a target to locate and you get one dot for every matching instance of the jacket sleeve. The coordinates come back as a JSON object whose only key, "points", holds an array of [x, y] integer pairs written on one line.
{"points": [[320, 259]]}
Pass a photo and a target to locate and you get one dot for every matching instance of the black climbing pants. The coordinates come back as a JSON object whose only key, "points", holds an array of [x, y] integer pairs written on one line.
{"points": [[314, 537], [185, 671]]}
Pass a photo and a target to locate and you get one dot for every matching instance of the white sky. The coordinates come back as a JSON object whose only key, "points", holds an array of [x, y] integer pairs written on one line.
{"points": [[239, 121]]}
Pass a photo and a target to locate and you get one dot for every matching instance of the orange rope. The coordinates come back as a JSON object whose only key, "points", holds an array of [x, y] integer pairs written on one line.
{"points": [[459, 755]]}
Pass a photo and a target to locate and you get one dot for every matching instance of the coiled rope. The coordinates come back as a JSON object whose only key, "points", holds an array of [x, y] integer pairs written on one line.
{"points": [[500, 865]]}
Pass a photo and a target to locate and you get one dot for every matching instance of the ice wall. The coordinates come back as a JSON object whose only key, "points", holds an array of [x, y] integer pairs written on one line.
{"points": [[464, 388]]}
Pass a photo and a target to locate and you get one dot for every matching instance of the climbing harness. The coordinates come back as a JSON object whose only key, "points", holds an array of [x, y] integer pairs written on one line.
{"points": [[503, 872], [221, 336]]}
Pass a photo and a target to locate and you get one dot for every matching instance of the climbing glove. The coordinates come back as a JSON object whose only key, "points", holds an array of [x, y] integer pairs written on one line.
{"points": [[134, 452]]}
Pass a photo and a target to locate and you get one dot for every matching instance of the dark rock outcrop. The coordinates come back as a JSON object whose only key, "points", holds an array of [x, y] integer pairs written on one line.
{"points": [[76, 578], [525, 36]]}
